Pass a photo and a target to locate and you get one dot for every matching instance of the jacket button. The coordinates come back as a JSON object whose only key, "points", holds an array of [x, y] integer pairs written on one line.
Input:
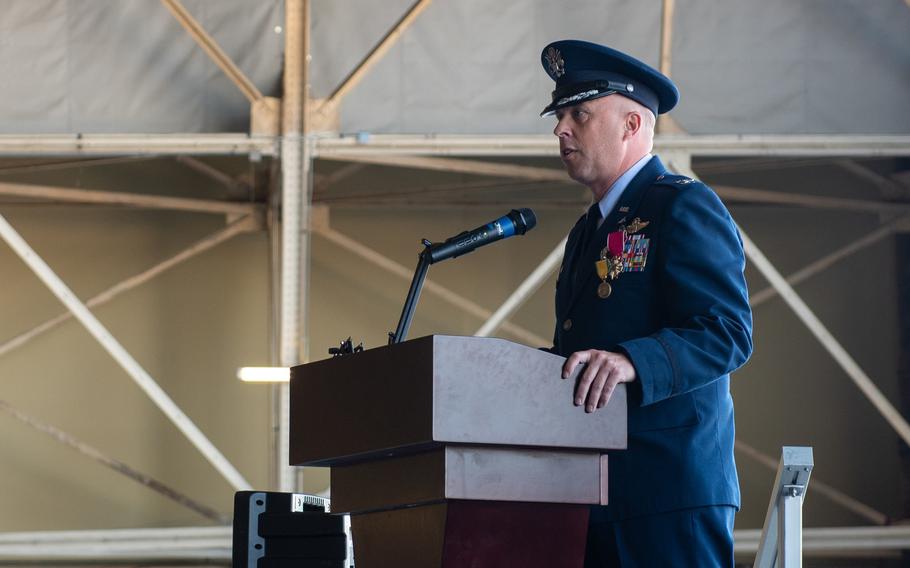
{"points": [[567, 325]]}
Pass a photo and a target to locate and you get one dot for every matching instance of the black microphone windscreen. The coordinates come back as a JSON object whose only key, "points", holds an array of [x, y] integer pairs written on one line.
{"points": [[526, 220]]}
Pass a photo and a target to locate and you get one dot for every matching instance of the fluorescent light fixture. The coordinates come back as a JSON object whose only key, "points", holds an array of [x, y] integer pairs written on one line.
{"points": [[264, 374]]}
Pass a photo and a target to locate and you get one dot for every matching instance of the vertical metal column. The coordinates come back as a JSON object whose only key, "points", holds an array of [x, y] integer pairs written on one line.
{"points": [[295, 207], [902, 269], [790, 531]]}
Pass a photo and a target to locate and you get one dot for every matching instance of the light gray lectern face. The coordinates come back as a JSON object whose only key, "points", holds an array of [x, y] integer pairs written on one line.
{"points": [[439, 390]]}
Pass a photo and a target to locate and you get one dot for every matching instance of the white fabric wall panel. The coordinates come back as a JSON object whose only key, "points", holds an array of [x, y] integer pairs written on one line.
{"points": [[129, 66], [464, 66], [743, 67]]}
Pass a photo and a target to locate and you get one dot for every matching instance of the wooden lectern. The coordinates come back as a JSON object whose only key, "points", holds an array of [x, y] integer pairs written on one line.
{"points": [[452, 452]]}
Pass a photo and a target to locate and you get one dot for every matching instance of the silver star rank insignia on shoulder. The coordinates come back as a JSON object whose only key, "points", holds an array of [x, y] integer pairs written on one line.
{"points": [[555, 62]]}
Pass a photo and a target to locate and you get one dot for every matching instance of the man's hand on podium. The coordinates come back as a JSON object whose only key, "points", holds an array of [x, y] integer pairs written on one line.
{"points": [[604, 370]]}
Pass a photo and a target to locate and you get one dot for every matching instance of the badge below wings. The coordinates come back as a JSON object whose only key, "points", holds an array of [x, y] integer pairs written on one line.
{"points": [[625, 252]]}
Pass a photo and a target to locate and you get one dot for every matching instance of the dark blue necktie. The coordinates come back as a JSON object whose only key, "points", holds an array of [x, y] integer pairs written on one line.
{"points": [[587, 235]]}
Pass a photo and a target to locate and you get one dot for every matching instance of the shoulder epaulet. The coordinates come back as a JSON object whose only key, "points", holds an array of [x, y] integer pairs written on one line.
{"points": [[674, 179]]}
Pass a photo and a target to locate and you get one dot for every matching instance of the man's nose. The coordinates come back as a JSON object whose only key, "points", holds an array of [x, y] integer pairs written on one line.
{"points": [[561, 129]]}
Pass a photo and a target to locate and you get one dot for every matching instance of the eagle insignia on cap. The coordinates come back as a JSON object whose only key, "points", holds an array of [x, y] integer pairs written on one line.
{"points": [[555, 62]]}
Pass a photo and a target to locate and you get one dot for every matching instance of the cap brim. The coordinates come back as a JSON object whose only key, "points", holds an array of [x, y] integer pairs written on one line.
{"points": [[573, 100]]}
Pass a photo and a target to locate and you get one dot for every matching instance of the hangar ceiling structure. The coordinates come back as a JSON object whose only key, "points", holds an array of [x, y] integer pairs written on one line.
{"points": [[297, 113]]}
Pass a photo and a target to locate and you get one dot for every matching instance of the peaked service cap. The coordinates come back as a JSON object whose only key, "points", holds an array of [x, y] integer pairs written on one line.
{"points": [[584, 71]]}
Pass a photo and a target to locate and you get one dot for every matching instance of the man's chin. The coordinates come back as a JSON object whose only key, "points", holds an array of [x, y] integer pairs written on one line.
{"points": [[576, 175]]}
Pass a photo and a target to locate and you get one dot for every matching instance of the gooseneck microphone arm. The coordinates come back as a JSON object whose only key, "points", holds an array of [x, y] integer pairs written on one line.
{"points": [[517, 222], [420, 274]]}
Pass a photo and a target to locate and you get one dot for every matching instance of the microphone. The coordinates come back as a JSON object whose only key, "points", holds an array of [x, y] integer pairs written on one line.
{"points": [[517, 222]]}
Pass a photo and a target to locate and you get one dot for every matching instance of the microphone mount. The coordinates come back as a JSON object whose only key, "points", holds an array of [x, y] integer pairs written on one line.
{"points": [[516, 222], [423, 264]]}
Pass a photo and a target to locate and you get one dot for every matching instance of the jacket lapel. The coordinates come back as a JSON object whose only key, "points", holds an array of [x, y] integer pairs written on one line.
{"points": [[566, 281]]}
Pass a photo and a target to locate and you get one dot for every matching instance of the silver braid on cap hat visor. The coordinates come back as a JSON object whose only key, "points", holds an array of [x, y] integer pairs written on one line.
{"points": [[582, 96], [578, 91], [596, 86]]}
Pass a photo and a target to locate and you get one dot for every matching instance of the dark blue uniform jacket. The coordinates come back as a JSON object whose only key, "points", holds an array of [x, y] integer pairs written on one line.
{"points": [[685, 322]]}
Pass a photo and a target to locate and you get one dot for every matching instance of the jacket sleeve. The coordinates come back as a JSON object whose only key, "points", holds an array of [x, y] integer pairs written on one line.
{"points": [[707, 328]]}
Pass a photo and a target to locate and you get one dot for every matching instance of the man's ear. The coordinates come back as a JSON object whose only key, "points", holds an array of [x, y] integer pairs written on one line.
{"points": [[633, 123]]}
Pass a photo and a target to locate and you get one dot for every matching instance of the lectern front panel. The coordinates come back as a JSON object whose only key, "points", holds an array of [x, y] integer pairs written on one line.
{"points": [[363, 405], [471, 473]]}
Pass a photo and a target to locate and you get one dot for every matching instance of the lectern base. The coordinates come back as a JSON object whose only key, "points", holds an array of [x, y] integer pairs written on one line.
{"points": [[472, 534]]}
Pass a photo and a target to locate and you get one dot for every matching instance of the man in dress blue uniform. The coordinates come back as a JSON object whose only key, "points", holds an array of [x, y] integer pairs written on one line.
{"points": [[651, 293]]}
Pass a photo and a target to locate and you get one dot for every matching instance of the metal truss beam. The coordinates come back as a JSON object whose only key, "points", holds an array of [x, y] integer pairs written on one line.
{"points": [[73, 195], [376, 53], [524, 291], [538, 174], [213, 173], [114, 464], [324, 183], [836, 541], [136, 145], [441, 145], [136, 372], [815, 326], [831, 259], [888, 188], [78, 163], [188, 544], [821, 333], [456, 165], [439, 195], [214, 51], [216, 238], [406, 204], [747, 164], [546, 146], [213, 544], [749, 195]]}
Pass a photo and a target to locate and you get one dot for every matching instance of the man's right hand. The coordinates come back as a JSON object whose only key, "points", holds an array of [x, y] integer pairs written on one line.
{"points": [[604, 370]]}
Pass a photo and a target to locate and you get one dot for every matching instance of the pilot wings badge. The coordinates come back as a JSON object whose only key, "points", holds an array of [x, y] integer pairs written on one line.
{"points": [[636, 225]]}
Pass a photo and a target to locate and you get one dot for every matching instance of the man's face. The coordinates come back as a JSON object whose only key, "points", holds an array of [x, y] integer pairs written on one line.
{"points": [[590, 136]]}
